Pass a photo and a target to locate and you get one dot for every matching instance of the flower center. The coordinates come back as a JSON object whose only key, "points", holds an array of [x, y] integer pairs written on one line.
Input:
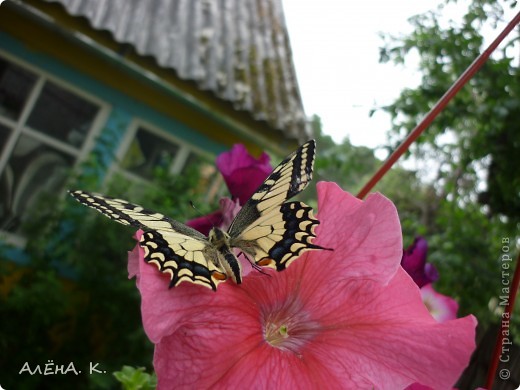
{"points": [[276, 334], [287, 326]]}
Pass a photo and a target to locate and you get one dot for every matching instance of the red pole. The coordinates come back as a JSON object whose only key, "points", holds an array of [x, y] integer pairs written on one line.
{"points": [[444, 100], [504, 326]]}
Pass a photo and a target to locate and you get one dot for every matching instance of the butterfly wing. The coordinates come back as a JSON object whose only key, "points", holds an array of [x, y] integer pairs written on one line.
{"points": [[183, 257], [176, 249], [275, 233]]}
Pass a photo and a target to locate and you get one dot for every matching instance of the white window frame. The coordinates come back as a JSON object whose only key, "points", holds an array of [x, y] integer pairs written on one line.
{"points": [[18, 127], [185, 148], [216, 186]]}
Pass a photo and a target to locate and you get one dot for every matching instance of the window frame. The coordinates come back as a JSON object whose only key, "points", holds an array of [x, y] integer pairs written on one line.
{"points": [[216, 188], [19, 127], [178, 164]]}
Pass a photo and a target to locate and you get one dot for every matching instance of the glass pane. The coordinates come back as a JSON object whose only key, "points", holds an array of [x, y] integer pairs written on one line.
{"points": [[204, 166], [32, 169], [207, 172], [62, 115], [15, 87], [148, 152], [4, 136]]}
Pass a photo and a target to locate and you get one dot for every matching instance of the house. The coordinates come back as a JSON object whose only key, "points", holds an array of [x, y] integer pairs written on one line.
{"points": [[138, 84]]}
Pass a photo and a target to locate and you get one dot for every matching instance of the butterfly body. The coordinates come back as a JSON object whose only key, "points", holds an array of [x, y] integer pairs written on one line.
{"points": [[228, 261], [268, 230]]}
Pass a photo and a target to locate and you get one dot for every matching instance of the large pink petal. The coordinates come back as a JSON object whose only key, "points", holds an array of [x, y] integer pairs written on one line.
{"points": [[390, 337], [133, 259], [374, 328], [199, 353], [255, 365], [365, 235], [372, 334], [378, 335], [164, 309], [224, 348]]}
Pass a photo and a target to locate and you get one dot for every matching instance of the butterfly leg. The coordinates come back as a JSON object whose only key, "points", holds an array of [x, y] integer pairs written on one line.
{"points": [[253, 264]]}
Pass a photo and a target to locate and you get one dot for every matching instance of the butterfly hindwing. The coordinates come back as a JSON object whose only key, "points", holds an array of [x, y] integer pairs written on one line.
{"points": [[176, 249], [281, 236], [183, 258], [271, 231]]}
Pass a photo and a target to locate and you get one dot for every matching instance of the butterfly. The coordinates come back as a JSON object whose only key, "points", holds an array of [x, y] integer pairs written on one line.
{"points": [[269, 231]]}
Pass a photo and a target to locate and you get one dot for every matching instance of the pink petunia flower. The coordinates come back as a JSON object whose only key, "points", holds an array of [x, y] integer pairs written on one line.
{"points": [[414, 262], [441, 307], [237, 164], [206, 222], [348, 318], [222, 217]]}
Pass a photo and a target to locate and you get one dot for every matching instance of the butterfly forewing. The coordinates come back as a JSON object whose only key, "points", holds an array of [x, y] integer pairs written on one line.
{"points": [[176, 249], [128, 213], [289, 178], [271, 231]]}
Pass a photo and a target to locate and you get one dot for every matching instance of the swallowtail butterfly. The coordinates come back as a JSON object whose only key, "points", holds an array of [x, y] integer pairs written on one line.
{"points": [[268, 230]]}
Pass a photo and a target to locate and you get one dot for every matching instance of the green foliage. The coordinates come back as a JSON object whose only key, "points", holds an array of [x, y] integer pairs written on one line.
{"points": [[416, 202], [348, 165], [470, 201], [467, 249], [464, 240], [482, 120], [73, 302], [136, 378], [464, 243]]}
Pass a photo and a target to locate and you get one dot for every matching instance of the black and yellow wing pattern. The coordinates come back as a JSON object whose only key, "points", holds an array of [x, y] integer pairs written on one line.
{"points": [[268, 230], [173, 247]]}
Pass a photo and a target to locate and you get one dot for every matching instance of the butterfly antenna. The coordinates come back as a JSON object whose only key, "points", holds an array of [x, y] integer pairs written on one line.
{"points": [[195, 208], [220, 221], [213, 221]]}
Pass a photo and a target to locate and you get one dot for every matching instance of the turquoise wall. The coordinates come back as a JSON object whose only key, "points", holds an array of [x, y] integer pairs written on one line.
{"points": [[123, 107], [122, 110]]}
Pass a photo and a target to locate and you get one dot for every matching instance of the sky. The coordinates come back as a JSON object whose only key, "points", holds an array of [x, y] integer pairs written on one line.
{"points": [[335, 46]]}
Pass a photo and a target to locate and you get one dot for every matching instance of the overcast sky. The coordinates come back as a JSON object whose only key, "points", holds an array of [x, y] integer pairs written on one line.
{"points": [[335, 47]]}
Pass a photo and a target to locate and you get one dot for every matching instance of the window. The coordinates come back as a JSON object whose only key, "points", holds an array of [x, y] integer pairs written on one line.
{"points": [[148, 149], [148, 152], [44, 128]]}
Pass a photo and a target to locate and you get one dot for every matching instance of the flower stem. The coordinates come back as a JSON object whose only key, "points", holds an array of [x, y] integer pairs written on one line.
{"points": [[439, 106]]}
